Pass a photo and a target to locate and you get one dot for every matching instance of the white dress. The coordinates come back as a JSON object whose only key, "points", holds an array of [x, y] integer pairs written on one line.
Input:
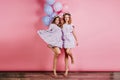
{"points": [[52, 36], [69, 40]]}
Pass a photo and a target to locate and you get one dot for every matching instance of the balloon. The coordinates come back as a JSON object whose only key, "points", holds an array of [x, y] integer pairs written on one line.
{"points": [[46, 20], [54, 14], [51, 2], [48, 9], [60, 14], [57, 6]]}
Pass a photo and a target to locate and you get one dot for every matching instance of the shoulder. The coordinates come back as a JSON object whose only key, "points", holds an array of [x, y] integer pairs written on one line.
{"points": [[64, 24], [72, 25], [52, 25]]}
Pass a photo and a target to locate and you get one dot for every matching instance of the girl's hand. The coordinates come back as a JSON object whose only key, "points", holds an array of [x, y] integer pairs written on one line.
{"points": [[76, 43]]}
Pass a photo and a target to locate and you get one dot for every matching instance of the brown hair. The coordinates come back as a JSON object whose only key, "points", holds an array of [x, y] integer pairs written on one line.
{"points": [[53, 21], [70, 20]]}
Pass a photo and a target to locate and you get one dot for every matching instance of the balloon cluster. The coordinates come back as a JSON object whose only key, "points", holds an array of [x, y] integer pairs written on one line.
{"points": [[52, 9]]}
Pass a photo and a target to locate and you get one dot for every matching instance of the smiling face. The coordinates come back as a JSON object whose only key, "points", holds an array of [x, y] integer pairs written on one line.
{"points": [[67, 18], [57, 21]]}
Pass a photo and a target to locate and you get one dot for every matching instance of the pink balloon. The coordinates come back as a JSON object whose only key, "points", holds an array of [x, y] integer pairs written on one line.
{"points": [[60, 14]]}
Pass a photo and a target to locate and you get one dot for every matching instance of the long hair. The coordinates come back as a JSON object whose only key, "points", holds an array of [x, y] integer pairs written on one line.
{"points": [[53, 21], [70, 19]]}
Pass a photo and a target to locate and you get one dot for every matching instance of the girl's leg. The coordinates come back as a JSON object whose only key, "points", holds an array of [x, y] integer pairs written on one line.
{"points": [[68, 51], [66, 64], [56, 51]]}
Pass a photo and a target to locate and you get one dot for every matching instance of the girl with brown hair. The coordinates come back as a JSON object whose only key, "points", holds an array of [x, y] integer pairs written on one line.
{"points": [[70, 39], [52, 37]]}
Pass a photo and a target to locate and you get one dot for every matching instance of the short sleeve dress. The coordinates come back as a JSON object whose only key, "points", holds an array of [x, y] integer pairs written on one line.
{"points": [[69, 40], [52, 36]]}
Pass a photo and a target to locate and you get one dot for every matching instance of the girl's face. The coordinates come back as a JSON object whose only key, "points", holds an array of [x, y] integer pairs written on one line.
{"points": [[57, 20], [67, 18]]}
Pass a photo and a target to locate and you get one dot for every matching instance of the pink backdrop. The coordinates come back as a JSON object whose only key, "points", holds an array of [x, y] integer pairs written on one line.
{"points": [[97, 27]]}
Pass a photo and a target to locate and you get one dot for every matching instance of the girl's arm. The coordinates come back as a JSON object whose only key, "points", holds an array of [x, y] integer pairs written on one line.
{"points": [[50, 27], [75, 36]]}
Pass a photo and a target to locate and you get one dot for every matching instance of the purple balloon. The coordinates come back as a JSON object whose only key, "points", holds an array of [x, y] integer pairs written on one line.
{"points": [[48, 9], [46, 20], [51, 2], [54, 14]]}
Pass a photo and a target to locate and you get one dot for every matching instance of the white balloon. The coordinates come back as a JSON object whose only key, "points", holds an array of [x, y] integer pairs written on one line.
{"points": [[57, 6]]}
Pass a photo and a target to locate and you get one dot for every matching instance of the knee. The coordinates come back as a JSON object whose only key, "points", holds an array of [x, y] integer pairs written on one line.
{"points": [[57, 51], [68, 52], [56, 54]]}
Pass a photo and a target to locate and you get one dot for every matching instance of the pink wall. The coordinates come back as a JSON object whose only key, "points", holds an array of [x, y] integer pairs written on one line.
{"points": [[97, 28]]}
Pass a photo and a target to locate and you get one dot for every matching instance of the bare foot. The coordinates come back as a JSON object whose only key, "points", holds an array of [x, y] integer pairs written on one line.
{"points": [[54, 76], [66, 73]]}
